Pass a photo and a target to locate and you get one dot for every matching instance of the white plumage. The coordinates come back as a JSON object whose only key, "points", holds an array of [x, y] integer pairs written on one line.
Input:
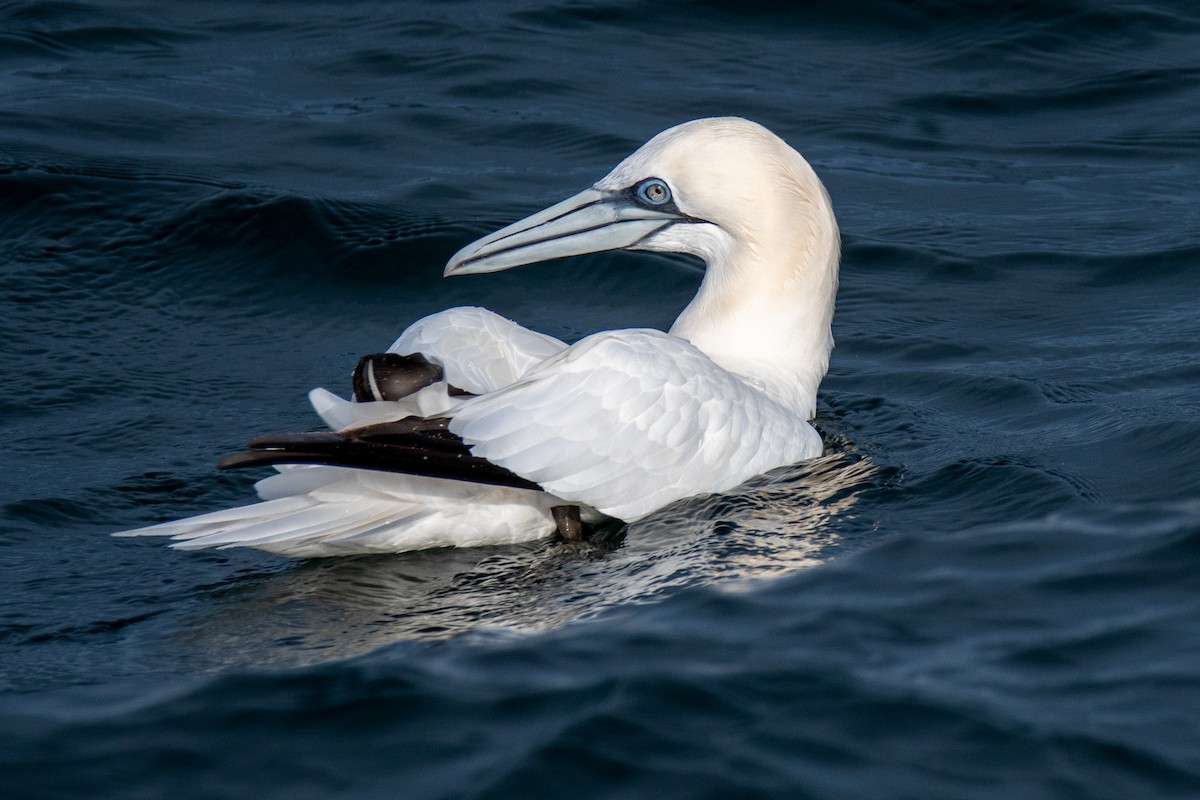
{"points": [[628, 421], [621, 423]]}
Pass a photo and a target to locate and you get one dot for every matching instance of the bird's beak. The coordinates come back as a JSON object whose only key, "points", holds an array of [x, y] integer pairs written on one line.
{"points": [[589, 222]]}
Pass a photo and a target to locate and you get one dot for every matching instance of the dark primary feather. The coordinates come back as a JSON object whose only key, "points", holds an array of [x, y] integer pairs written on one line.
{"points": [[413, 446]]}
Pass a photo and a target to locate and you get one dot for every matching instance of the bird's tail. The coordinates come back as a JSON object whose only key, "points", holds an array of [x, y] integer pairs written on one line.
{"points": [[312, 511]]}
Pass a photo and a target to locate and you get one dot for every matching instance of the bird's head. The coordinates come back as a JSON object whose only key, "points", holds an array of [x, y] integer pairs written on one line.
{"points": [[705, 188]]}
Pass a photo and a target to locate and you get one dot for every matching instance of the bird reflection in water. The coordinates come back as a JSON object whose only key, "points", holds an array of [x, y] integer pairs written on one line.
{"points": [[332, 609]]}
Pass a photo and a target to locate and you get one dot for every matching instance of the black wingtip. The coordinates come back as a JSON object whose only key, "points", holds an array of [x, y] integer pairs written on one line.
{"points": [[285, 439], [412, 446]]}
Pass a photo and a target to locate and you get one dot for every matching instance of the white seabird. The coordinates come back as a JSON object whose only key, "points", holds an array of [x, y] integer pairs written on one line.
{"points": [[508, 428]]}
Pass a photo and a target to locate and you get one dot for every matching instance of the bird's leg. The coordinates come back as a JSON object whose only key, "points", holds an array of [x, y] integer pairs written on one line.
{"points": [[388, 376], [570, 526]]}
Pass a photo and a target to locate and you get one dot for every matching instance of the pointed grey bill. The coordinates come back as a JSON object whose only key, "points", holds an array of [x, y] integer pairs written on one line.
{"points": [[589, 222]]}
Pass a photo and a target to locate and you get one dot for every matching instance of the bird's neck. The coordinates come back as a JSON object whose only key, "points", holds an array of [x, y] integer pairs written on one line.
{"points": [[765, 308]]}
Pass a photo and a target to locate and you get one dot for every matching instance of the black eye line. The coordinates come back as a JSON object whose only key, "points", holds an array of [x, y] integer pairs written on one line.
{"points": [[631, 194]]}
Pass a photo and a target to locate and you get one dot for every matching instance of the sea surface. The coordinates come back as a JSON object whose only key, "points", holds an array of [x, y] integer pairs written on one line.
{"points": [[988, 586]]}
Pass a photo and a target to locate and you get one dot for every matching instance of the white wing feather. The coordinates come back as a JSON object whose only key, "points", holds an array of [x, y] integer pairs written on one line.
{"points": [[479, 350], [628, 421]]}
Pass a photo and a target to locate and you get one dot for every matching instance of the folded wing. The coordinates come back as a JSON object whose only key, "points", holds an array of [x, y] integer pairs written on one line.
{"points": [[628, 421]]}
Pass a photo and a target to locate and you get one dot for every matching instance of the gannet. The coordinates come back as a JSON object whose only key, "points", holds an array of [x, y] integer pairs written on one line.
{"points": [[473, 430]]}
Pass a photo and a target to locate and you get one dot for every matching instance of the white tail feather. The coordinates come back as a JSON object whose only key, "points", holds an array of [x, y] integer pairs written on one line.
{"points": [[326, 511]]}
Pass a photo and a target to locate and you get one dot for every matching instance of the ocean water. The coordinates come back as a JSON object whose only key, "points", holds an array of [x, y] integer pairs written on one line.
{"points": [[988, 587]]}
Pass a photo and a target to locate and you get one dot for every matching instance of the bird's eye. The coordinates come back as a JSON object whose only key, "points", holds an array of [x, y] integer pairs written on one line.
{"points": [[654, 192]]}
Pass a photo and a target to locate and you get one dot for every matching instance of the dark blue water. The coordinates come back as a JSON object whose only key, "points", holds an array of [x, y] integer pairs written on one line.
{"points": [[988, 587]]}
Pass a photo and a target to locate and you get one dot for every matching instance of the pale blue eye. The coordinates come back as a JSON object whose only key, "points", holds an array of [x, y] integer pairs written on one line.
{"points": [[654, 192]]}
